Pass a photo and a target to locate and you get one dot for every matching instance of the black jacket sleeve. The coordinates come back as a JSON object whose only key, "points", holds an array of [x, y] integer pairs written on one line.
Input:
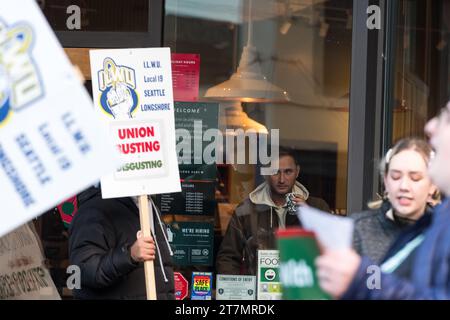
{"points": [[229, 257], [92, 248]]}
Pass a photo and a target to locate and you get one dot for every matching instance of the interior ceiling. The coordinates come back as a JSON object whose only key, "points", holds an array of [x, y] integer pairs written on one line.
{"points": [[269, 9], [236, 11]]}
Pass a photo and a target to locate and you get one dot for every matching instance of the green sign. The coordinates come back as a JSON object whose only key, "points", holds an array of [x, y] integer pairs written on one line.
{"points": [[269, 286], [192, 121], [195, 198], [298, 251], [198, 173], [192, 243]]}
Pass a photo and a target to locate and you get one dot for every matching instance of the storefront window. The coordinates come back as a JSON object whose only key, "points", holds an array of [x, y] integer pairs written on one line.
{"points": [[303, 48], [421, 64], [279, 68]]}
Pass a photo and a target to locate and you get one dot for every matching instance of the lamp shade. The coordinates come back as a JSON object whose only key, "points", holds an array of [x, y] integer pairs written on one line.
{"points": [[248, 84], [232, 117]]}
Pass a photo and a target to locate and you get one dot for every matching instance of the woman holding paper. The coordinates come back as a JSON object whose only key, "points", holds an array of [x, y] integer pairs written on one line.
{"points": [[409, 195], [418, 264]]}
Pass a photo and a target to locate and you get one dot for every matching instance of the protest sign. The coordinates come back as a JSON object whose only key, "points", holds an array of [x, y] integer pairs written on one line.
{"points": [[23, 275], [50, 147], [133, 97]]}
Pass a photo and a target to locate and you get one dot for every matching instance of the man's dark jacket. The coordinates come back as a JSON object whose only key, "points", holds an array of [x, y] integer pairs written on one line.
{"points": [[101, 234]]}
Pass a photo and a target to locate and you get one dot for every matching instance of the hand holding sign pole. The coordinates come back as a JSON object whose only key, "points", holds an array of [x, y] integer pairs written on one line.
{"points": [[133, 94], [146, 218]]}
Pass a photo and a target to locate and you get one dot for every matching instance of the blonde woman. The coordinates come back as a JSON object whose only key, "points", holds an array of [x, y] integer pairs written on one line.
{"points": [[409, 193], [418, 266]]}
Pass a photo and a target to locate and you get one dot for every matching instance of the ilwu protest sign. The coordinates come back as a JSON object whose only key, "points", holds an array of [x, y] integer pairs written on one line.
{"points": [[133, 97], [50, 147]]}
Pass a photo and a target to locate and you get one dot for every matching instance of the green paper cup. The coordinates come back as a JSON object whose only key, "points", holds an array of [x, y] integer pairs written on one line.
{"points": [[298, 250]]}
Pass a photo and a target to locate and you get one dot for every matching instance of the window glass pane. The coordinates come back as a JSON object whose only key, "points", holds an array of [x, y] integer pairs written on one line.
{"points": [[422, 64], [98, 15], [303, 49]]}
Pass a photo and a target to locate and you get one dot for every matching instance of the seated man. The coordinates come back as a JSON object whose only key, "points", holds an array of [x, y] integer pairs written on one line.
{"points": [[254, 221]]}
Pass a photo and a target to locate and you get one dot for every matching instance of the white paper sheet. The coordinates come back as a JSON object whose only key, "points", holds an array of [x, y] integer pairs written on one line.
{"points": [[333, 232]]}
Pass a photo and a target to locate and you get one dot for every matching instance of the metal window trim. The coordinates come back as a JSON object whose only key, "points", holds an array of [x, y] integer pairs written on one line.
{"points": [[91, 39], [367, 116]]}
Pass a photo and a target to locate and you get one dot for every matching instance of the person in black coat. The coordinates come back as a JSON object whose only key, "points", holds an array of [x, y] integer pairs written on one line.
{"points": [[104, 243]]}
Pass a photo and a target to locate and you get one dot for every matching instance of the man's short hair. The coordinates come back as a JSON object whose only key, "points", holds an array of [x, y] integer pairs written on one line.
{"points": [[288, 152]]}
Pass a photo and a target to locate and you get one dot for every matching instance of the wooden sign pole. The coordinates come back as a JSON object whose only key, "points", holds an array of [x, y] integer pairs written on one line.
{"points": [[146, 217]]}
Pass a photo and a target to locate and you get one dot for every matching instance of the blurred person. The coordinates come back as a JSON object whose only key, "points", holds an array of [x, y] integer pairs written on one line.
{"points": [[409, 194], [255, 220], [421, 253]]}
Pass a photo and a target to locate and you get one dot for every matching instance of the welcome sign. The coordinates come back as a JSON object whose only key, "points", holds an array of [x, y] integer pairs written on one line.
{"points": [[133, 97]]}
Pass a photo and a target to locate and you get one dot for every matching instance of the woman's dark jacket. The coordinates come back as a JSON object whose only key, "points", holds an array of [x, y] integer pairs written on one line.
{"points": [[374, 232]]}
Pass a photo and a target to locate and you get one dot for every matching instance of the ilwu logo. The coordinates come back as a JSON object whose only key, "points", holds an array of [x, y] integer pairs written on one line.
{"points": [[118, 86], [20, 83]]}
